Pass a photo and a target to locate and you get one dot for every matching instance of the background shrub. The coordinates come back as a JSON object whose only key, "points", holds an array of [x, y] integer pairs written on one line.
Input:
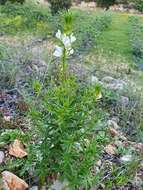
{"points": [[2, 2], [105, 3], [89, 28], [58, 5], [136, 39], [30, 17], [33, 18], [11, 61], [9, 66], [139, 5]]}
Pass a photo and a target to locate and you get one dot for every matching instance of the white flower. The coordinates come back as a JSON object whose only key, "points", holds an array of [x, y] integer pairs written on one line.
{"points": [[58, 51], [72, 38], [63, 38], [66, 41], [59, 35], [71, 51]]}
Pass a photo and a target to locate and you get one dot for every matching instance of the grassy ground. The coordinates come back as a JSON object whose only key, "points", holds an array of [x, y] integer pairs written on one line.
{"points": [[115, 38], [113, 54]]}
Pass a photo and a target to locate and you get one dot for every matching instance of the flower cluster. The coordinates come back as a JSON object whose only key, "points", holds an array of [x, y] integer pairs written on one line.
{"points": [[66, 44]]}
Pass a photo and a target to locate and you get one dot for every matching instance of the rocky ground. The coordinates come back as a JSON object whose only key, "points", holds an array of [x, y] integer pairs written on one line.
{"points": [[13, 108]]}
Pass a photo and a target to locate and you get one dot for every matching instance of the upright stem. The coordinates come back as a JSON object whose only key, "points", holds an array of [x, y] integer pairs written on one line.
{"points": [[64, 66]]}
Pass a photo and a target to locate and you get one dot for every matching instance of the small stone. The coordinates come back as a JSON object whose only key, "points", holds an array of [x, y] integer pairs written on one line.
{"points": [[116, 86], [7, 118], [115, 119], [17, 149], [131, 143], [126, 158], [113, 124], [94, 79], [139, 146], [108, 79], [44, 187], [58, 185], [113, 132], [118, 143], [137, 181], [141, 163], [140, 66], [91, 4], [11, 182], [126, 143], [123, 138], [34, 188], [124, 101], [110, 149], [113, 84], [38, 65], [99, 163], [2, 156], [83, 4]]}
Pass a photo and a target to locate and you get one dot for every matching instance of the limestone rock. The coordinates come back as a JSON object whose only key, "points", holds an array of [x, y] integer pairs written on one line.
{"points": [[124, 101], [139, 146], [113, 84], [37, 65], [91, 4], [113, 124], [17, 149], [12, 182], [113, 132], [2, 156], [94, 79], [110, 149], [58, 185], [34, 188], [126, 158]]}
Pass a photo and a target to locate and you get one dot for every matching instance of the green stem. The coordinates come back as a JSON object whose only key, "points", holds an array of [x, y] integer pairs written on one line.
{"points": [[42, 182], [64, 66]]}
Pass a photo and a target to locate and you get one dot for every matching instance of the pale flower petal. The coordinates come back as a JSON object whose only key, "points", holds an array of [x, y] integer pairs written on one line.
{"points": [[58, 51], [66, 41], [71, 52], [73, 38], [59, 35], [57, 54]]}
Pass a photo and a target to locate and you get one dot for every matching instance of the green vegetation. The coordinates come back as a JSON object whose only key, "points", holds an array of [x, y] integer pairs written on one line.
{"points": [[139, 5], [2, 2], [68, 146], [17, 19], [89, 27], [81, 130], [105, 4], [115, 39], [136, 39], [57, 6], [39, 21]]}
